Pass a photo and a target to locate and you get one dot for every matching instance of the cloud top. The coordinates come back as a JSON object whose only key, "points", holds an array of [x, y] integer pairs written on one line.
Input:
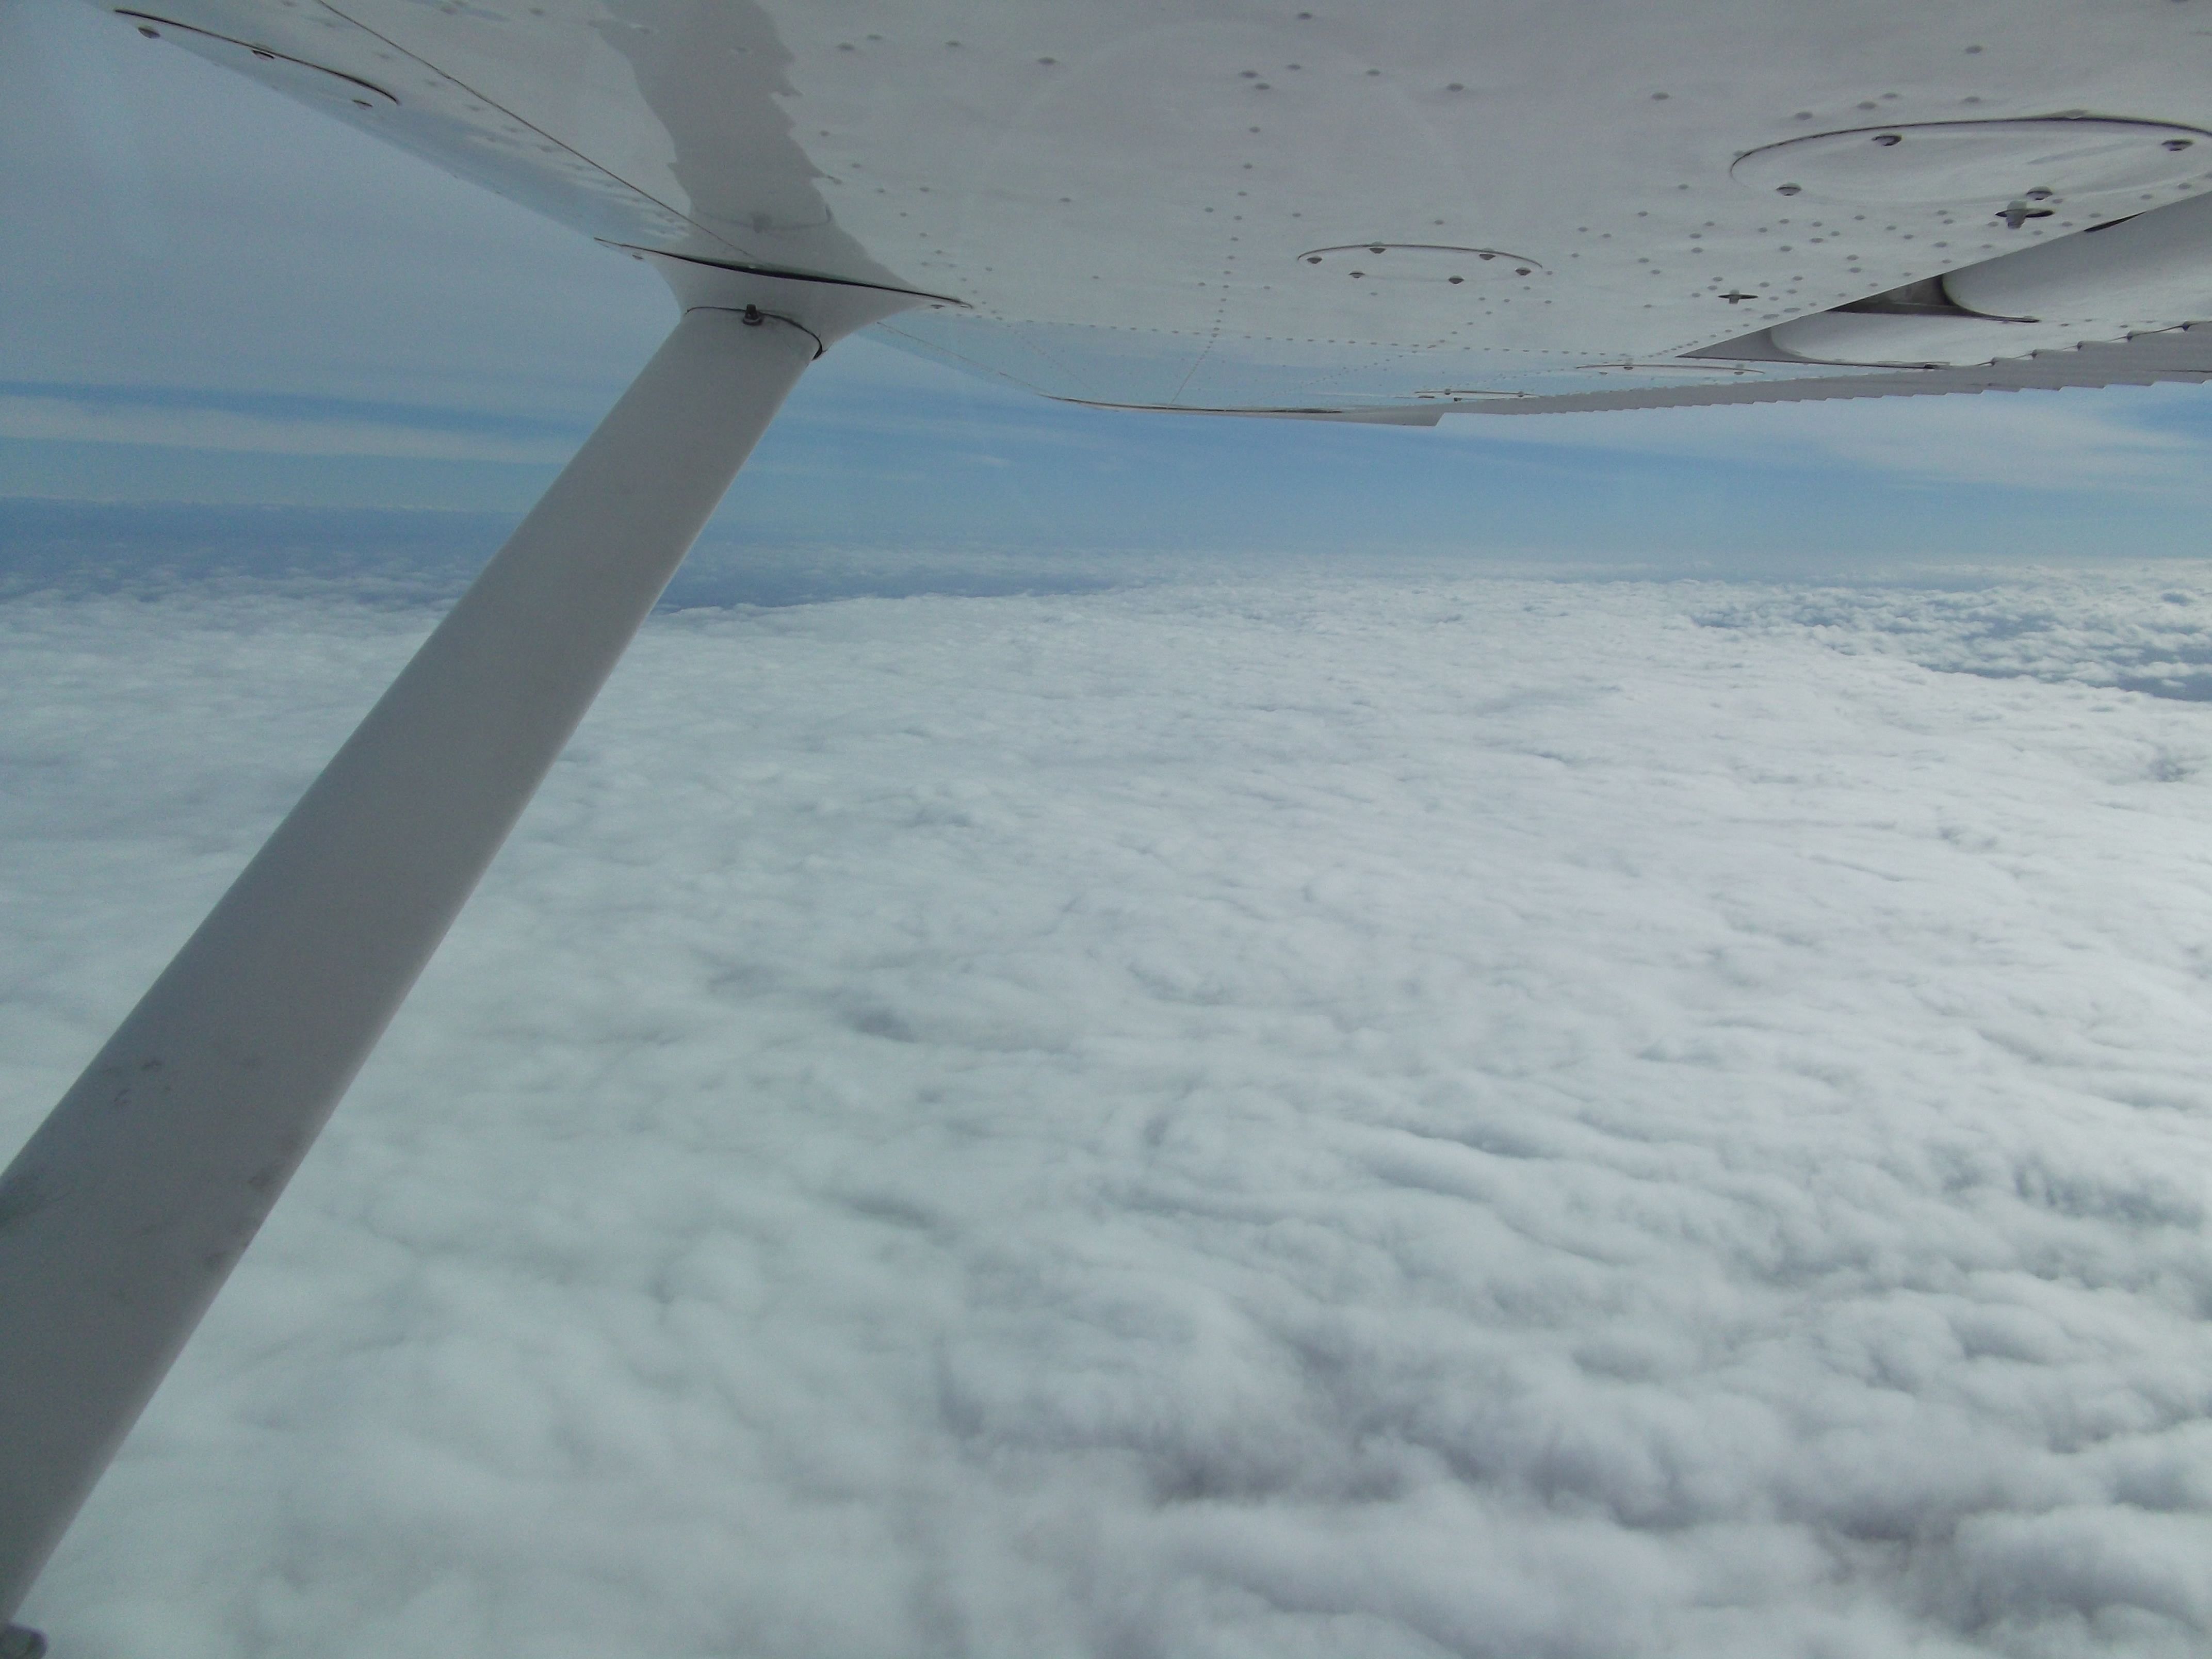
{"points": [[1307, 1117]]}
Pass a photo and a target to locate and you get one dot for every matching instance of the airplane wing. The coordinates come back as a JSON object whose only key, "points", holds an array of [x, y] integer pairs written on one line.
{"points": [[1378, 210], [2181, 353]]}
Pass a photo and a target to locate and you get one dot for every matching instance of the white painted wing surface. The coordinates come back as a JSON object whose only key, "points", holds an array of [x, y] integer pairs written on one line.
{"points": [[1388, 210]]}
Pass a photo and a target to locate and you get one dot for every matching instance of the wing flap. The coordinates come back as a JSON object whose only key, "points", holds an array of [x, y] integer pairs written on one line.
{"points": [[2183, 353]]}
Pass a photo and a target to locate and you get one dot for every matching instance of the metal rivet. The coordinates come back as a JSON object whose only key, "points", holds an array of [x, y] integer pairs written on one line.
{"points": [[2177, 143], [1886, 139], [1455, 281], [151, 34], [1787, 190]]}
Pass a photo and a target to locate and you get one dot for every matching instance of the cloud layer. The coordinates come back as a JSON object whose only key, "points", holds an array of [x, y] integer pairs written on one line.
{"points": [[45, 418], [1306, 1116], [2037, 443]]}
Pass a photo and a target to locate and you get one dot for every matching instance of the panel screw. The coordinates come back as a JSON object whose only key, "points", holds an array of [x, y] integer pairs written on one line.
{"points": [[1886, 139], [2177, 143], [151, 34], [1788, 190]]}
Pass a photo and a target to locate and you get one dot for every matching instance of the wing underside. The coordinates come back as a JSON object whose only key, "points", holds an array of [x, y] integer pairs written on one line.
{"points": [[1377, 213], [2182, 353]]}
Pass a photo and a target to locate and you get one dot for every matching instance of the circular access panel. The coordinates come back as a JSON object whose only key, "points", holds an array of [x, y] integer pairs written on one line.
{"points": [[1971, 163], [1418, 261]]}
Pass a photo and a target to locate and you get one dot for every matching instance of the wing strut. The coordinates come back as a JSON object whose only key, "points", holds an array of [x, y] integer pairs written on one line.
{"points": [[124, 1213]]}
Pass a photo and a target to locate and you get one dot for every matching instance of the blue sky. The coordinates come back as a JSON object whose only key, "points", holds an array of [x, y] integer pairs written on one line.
{"points": [[211, 295]]}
